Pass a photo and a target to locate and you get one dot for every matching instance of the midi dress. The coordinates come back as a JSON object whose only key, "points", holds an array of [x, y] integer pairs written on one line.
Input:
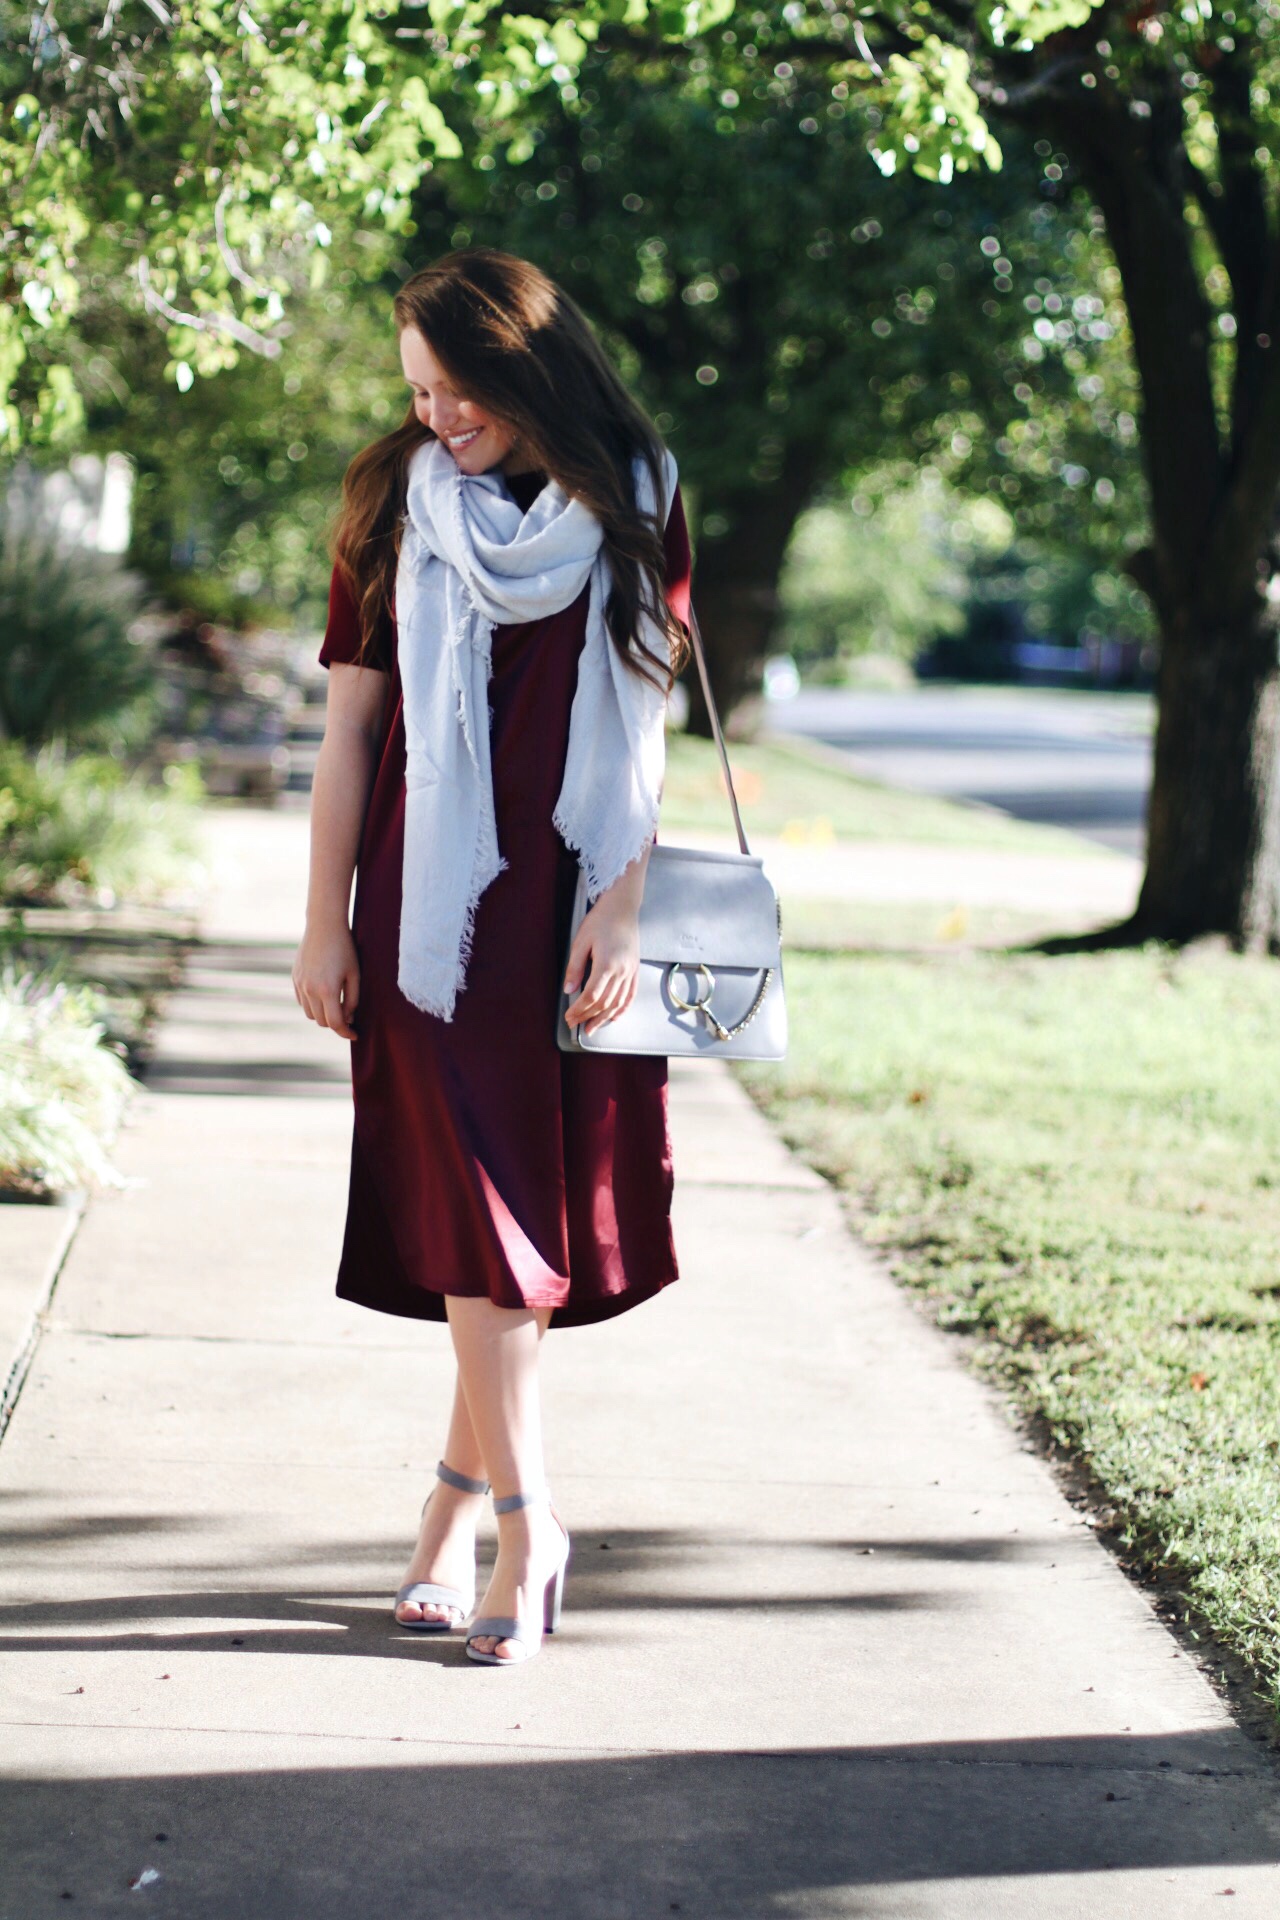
{"points": [[484, 1161]]}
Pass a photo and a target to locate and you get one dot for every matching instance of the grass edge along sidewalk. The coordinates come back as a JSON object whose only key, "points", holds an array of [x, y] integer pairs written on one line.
{"points": [[1077, 1159], [797, 789]]}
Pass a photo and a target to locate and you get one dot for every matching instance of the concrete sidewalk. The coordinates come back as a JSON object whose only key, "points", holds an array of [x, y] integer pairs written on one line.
{"points": [[833, 1643]]}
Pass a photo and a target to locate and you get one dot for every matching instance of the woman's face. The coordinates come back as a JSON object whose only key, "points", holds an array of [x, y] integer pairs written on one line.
{"points": [[475, 438]]}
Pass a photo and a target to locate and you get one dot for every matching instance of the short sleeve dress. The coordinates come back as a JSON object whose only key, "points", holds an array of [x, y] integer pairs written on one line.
{"points": [[484, 1161]]}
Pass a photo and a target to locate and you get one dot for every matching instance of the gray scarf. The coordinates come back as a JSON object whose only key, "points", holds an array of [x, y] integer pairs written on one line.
{"points": [[471, 559]]}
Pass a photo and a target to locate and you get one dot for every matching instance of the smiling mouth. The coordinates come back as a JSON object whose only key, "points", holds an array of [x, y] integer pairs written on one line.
{"points": [[459, 440]]}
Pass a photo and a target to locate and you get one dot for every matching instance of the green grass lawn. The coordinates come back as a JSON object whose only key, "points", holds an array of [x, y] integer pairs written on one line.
{"points": [[784, 787], [873, 926], [1077, 1158]]}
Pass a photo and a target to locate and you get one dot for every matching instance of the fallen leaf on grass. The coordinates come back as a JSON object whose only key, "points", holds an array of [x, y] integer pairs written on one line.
{"points": [[1198, 1382]]}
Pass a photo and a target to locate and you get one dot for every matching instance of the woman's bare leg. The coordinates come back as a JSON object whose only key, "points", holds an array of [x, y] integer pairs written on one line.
{"points": [[497, 1351], [446, 1548]]}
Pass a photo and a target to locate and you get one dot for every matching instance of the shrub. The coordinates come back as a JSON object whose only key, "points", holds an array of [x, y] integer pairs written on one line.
{"points": [[68, 662], [62, 1092], [86, 824]]}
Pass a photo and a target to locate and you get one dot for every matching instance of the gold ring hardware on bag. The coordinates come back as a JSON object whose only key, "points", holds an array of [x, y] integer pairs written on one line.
{"points": [[703, 1006]]}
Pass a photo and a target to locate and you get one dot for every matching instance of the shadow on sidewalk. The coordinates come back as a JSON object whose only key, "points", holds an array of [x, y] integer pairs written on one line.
{"points": [[449, 1832], [648, 1571], [234, 1027]]}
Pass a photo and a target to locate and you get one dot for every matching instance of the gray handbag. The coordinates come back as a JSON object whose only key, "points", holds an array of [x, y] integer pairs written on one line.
{"points": [[710, 948]]}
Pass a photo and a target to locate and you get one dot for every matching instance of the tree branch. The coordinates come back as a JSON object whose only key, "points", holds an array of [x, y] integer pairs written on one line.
{"points": [[226, 323], [1045, 88]]}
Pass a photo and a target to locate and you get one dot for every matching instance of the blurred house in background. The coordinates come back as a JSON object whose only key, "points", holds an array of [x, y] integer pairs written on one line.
{"points": [[87, 503]]}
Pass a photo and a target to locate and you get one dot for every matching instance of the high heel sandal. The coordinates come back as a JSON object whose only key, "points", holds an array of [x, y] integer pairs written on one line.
{"points": [[503, 1627], [429, 1593]]}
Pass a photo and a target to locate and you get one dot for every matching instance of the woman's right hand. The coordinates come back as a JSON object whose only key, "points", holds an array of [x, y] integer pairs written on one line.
{"points": [[326, 978]]}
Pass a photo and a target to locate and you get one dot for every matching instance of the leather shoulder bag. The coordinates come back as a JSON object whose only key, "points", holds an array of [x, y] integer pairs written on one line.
{"points": [[710, 981]]}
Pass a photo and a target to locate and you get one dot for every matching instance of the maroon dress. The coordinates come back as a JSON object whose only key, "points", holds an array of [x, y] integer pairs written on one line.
{"points": [[484, 1161]]}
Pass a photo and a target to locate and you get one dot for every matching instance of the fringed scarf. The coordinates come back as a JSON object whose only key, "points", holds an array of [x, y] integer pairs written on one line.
{"points": [[470, 560]]}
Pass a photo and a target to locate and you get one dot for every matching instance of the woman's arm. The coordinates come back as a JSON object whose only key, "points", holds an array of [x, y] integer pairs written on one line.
{"points": [[608, 940], [326, 970]]}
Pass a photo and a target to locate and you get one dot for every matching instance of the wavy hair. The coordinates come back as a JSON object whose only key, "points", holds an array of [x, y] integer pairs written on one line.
{"points": [[512, 341]]}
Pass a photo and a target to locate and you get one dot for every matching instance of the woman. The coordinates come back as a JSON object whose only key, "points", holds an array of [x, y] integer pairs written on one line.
{"points": [[506, 614]]}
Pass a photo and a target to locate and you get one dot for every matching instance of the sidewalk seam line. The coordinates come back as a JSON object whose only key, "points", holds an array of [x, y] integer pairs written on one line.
{"points": [[30, 1340]]}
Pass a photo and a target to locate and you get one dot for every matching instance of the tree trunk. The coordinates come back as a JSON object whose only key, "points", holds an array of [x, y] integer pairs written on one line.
{"points": [[735, 584], [1213, 826], [1213, 823]]}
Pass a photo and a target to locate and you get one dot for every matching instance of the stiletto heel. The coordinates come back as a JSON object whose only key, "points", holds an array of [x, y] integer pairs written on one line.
{"points": [[552, 1598], [430, 1593], [507, 1627]]}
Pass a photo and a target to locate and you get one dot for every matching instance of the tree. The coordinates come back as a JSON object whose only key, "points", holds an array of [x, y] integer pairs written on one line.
{"points": [[801, 316], [212, 150], [238, 479], [208, 152], [1166, 118], [791, 315]]}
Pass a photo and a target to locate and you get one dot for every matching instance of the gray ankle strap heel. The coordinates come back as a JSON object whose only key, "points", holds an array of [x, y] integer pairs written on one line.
{"points": [[461, 1481], [512, 1502], [429, 1593], [506, 1626]]}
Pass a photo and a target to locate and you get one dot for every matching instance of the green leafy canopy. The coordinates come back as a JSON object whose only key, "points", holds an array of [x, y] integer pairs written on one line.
{"points": [[214, 149]]}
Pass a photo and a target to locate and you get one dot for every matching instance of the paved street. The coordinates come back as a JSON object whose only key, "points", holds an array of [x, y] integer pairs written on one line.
{"points": [[1072, 759], [834, 1644]]}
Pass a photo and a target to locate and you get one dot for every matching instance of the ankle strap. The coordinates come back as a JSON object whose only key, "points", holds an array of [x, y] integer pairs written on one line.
{"points": [[512, 1502], [460, 1480]]}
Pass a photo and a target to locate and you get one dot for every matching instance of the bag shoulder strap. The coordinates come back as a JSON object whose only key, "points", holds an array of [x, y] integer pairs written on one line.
{"points": [[718, 731]]}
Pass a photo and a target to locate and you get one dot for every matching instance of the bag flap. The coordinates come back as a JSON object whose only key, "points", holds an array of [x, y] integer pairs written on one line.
{"points": [[713, 907]]}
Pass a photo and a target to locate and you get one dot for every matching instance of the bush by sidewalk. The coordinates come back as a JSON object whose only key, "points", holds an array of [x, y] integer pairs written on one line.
{"points": [[62, 1090], [83, 827], [85, 848], [71, 666], [1078, 1160]]}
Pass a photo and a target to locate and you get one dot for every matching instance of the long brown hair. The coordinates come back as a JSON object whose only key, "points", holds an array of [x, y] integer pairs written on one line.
{"points": [[514, 342]]}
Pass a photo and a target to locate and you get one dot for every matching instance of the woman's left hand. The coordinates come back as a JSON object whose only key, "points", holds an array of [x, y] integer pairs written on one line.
{"points": [[608, 943]]}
